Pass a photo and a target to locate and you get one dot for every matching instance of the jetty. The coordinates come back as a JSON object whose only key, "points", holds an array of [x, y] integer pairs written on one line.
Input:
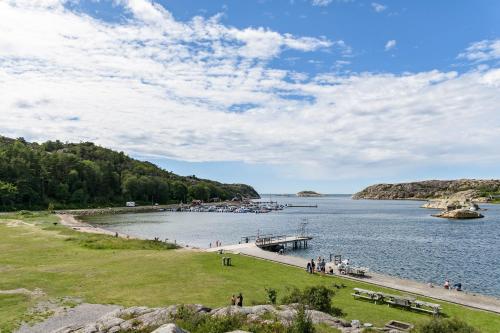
{"points": [[273, 243]]}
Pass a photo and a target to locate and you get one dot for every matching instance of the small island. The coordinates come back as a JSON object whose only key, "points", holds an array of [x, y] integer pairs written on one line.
{"points": [[308, 194]]}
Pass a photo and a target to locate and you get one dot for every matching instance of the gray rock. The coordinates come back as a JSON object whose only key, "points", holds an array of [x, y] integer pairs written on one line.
{"points": [[169, 328], [319, 317], [459, 214], [157, 317], [105, 323]]}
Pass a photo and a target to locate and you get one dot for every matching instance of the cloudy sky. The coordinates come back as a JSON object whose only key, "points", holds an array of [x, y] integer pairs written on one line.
{"points": [[329, 95]]}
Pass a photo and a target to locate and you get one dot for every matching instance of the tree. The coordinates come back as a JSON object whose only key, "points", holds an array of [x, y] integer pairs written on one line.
{"points": [[199, 191], [8, 193]]}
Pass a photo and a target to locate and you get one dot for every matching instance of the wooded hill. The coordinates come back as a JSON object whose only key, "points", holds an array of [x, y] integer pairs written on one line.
{"points": [[80, 175]]}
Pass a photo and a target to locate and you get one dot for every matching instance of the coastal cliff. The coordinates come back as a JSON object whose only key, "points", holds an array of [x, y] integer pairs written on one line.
{"points": [[476, 190]]}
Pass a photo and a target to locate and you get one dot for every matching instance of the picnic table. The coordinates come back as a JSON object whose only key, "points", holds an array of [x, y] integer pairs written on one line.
{"points": [[408, 302]]}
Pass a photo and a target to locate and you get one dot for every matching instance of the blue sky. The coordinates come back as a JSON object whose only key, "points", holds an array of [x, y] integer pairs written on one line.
{"points": [[283, 95]]}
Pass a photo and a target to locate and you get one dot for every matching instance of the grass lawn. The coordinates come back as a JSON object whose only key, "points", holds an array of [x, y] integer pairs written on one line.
{"points": [[102, 269]]}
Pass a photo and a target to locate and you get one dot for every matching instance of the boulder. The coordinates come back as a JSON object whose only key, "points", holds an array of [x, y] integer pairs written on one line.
{"points": [[459, 214], [319, 317], [169, 328]]}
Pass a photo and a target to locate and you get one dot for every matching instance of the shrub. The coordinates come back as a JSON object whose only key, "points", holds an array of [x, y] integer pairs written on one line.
{"points": [[301, 323], [445, 326], [317, 298], [271, 295]]}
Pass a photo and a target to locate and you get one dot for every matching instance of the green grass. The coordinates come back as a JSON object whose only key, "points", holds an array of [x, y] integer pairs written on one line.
{"points": [[63, 262], [12, 309]]}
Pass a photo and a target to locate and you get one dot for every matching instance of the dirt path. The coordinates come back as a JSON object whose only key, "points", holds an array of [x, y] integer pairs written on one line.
{"points": [[462, 298]]}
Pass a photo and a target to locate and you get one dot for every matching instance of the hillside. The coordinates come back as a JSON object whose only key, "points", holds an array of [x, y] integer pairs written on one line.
{"points": [[431, 189], [80, 175]]}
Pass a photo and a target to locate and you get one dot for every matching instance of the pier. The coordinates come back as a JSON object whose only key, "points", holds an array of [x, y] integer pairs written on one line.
{"points": [[274, 242]]}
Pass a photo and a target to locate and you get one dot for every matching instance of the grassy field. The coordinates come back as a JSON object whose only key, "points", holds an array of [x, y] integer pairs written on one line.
{"points": [[102, 269]]}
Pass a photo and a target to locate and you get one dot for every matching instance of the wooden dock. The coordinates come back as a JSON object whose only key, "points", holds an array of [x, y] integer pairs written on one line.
{"points": [[276, 242]]}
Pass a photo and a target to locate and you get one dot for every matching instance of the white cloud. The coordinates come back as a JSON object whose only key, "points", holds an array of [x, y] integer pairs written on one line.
{"points": [[378, 7], [484, 50], [321, 3], [202, 91], [390, 44]]}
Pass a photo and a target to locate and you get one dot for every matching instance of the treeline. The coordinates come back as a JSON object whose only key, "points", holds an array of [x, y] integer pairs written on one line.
{"points": [[69, 175]]}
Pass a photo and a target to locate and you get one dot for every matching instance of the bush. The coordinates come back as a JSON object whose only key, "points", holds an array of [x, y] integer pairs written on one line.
{"points": [[445, 326], [271, 295], [302, 323], [317, 298]]}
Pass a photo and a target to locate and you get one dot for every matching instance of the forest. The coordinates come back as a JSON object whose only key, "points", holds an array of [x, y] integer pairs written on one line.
{"points": [[60, 175]]}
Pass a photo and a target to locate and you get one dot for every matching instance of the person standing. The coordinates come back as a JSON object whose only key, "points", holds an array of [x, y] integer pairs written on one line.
{"points": [[447, 284], [239, 300], [313, 266], [233, 300]]}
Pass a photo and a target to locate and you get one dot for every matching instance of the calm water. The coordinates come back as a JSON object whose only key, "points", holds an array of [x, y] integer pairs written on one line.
{"points": [[392, 237]]}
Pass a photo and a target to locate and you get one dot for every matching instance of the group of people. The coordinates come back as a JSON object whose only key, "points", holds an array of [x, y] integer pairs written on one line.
{"points": [[237, 300], [457, 286], [318, 267], [217, 244]]}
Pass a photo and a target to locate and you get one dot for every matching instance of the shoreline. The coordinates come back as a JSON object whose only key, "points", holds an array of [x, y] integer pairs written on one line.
{"points": [[471, 300], [475, 301], [73, 222]]}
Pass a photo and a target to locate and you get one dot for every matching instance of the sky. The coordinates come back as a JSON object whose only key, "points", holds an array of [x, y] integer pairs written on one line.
{"points": [[288, 95]]}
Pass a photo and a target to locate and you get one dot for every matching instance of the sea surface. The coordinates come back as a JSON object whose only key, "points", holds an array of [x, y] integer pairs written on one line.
{"points": [[392, 237]]}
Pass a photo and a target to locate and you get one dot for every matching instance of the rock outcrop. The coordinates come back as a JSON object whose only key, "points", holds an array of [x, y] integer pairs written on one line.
{"points": [[431, 189], [161, 320], [459, 200], [459, 214]]}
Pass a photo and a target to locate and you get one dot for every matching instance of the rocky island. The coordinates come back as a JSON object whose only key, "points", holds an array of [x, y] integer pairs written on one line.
{"points": [[457, 198], [476, 190], [308, 194]]}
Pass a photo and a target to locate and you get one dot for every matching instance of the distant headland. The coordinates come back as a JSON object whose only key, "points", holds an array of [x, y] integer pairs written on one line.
{"points": [[474, 190], [308, 194], [456, 198]]}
